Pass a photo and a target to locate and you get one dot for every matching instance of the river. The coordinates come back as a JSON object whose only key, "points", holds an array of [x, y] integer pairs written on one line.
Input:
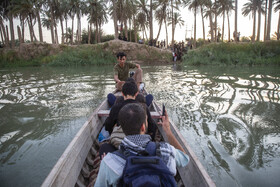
{"points": [[228, 115]]}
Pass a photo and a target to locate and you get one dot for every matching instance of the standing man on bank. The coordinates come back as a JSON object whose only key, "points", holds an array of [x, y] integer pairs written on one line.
{"points": [[121, 71]]}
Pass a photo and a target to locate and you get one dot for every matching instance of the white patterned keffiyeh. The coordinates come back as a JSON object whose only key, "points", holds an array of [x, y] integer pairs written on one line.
{"points": [[137, 143]]}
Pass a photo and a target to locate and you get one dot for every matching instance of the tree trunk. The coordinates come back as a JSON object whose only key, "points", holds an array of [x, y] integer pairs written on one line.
{"points": [[159, 28], [12, 31], [211, 28], [216, 22], [259, 24], [151, 21], [39, 26], [62, 30], [254, 26], [22, 28], [19, 34], [96, 32], [228, 28], [173, 25], [269, 20], [72, 34], [52, 22], [99, 33], [89, 33], [135, 29], [203, 27], [2, 38], [125, 29], [66, 29], [115, 18], [78, 29], [166, 33], [278, 28], [56, 35], [29, 21], [265, 21], [223, 27], [194, 43], [6, 40], [235, 23]]}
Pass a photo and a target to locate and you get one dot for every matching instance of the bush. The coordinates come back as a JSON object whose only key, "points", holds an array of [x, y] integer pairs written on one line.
{"points": [[232, 54]]}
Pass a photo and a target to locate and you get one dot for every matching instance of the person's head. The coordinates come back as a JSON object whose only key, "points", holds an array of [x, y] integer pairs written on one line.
{"points": [[121, 57], [130, 88], [140, 98], [133, 119]]}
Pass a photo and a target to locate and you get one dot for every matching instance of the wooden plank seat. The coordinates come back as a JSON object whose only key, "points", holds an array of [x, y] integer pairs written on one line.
{"points": [[105, 113]]}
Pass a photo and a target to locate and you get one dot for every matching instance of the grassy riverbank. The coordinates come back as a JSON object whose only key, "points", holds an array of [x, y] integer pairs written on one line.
{"points": [[38, 54], [259, 53]]}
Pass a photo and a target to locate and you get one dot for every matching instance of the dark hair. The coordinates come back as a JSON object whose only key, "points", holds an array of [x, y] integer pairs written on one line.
{"points": [[129, 88], [119, 99], [121, 54], [140, 98], [131, 118]]}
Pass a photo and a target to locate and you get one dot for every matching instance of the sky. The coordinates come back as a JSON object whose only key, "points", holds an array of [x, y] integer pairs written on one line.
{"points": [[245, 26]]}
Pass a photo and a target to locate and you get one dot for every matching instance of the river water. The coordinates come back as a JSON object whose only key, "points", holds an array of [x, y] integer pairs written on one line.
{"points": [[228, 115]]}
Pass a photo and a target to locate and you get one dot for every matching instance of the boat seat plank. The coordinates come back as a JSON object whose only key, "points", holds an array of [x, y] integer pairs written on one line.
{"points": [[105, 113]]}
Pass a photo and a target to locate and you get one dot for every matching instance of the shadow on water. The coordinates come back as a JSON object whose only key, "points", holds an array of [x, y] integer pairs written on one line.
{"points": [[229, 115]]}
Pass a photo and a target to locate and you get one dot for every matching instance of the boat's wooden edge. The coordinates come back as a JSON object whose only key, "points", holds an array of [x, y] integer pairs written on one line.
{"points": [[194, 161], [67, 169]]}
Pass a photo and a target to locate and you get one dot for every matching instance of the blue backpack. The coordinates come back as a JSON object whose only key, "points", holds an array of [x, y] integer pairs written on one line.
{"points": [[145, 169]]}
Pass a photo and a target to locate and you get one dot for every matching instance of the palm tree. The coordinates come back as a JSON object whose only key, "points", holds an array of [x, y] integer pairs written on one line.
{"points": [[202, 4], [115, 18], [177, 20], [175, 5], [277, 8], [225, 6], [3, 16], [194, 5], [265, 20], [269, 19], [209, 13], [260, 12], [251, 8], [38, 8], [142, 21], [10, 16], [235, 20]]}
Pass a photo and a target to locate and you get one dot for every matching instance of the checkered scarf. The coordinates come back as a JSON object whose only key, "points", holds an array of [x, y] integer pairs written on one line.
{"points": [[137, 143]]}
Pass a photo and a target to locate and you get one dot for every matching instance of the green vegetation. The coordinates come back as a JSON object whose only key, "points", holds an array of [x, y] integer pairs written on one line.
{"points": [[83, 55], [259, 53], [69, 56]]}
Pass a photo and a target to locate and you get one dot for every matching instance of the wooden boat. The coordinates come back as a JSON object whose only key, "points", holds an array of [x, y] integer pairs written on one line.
{"points": [[78, 166]]}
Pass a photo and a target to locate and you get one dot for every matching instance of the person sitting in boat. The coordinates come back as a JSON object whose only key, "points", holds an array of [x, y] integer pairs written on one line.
{"points": [[121, 71], [129, 92], [133, 120]]}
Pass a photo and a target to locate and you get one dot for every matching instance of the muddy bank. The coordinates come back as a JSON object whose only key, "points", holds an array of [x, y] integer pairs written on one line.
{"points": [[135, 52]]}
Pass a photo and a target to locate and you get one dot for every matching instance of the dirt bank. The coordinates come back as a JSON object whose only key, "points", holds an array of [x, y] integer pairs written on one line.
{"points": [[135, 52]]}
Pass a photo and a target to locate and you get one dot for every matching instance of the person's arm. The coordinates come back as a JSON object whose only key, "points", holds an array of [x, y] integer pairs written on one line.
{"points": [[171, 138], [138, 66], [116, 78], [111, 120]]}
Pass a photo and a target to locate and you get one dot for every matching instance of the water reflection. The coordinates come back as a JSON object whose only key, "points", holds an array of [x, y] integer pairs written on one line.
{"points": [[38, 106], [228, 115]]}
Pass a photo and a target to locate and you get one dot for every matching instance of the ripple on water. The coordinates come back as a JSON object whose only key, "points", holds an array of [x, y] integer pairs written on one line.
{"points": [[234, 135]]}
